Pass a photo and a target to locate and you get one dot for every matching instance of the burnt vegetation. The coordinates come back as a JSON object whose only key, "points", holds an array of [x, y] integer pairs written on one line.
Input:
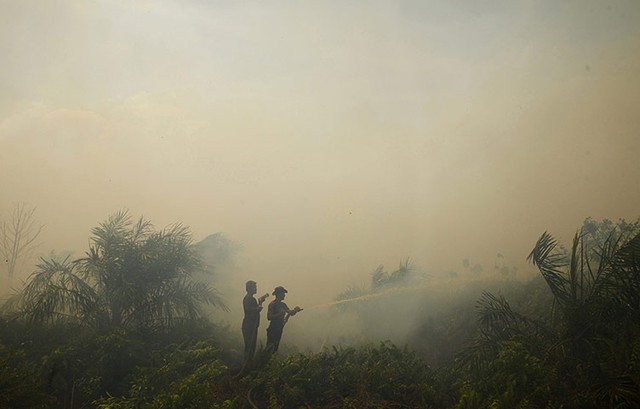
{"points": [[124, 326]]}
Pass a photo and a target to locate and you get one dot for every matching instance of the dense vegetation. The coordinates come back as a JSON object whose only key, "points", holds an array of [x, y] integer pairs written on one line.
{"points": [[122, 327]]}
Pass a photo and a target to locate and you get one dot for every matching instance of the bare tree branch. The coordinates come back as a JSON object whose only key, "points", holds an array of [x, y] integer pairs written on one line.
{"points": [[18, 237]]}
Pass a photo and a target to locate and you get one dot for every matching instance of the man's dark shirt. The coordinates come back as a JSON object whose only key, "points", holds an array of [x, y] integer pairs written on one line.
{"points": [[277, 307], [251, 312]]}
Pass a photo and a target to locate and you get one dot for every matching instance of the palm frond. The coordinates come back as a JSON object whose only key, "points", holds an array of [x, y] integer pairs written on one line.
{"points": [[55, 291], [351, 292], [551, 264], [403, 272], [499, 322], [378, 277], [141, 229], [493, 310]]}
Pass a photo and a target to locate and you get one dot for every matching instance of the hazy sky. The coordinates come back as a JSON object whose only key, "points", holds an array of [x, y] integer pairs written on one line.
{"points": [[326, 137]]}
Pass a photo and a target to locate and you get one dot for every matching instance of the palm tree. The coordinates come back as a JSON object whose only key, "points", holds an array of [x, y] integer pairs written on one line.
{"points": [[595, 285], [597, 293], [132, 275], [593, 336]]}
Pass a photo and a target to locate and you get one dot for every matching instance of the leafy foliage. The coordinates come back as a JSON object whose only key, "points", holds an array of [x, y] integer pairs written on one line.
{"points": [[569, 339], [20, 387], [381, 279], [175, 378], [132, 275], [57, 293], [368, 376], [589, 343], [514, 378]]}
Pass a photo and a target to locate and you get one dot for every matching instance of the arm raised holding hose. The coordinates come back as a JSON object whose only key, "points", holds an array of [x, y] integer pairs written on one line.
{"points": [[278, 314], [291, 313]]}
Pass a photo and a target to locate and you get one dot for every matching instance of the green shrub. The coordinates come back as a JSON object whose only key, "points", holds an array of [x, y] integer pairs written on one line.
{"points": [[514, 379], [20, 387], [365, 376], [178, 377]]}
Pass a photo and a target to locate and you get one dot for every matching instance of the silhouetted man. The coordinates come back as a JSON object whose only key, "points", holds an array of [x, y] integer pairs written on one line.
{"points": [[278, 313], [251, 320]]}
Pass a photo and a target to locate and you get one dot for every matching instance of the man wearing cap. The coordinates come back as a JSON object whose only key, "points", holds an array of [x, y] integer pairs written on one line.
{"points": [[278, 313]]}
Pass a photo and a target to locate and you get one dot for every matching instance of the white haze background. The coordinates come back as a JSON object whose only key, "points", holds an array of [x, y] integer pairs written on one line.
{"points": [[325, 138]]}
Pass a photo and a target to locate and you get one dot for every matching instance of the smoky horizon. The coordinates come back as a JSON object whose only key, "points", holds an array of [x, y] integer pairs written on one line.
{"points": [[322, 140]]}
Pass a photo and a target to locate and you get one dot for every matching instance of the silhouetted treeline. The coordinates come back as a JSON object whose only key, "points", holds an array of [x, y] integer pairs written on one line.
{"points": [[568, 339]]}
